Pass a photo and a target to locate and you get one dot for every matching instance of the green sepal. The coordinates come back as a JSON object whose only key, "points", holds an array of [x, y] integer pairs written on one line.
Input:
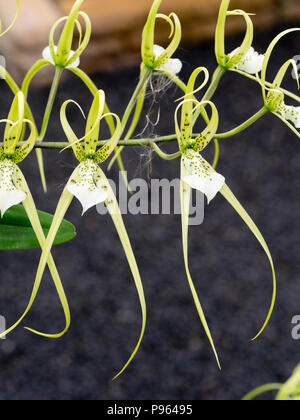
{"points": [[148, 55]]}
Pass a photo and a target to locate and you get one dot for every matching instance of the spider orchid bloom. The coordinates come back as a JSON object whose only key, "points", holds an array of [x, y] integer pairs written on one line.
{"points": [[251, 63], [62, 55], [13, 21], [274, 95], [224, 60], [155, 57], [14, 190], [197, 173], [89, 184]]}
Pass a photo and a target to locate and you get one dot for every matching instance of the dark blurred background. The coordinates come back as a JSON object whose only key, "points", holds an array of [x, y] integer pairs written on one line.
{"points": [[230, 270]]}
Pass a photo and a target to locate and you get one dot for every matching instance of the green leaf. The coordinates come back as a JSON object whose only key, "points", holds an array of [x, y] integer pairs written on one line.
{"points": [[16, 231]]}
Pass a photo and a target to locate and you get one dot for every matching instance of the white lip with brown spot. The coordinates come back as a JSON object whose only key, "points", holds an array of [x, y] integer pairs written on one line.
{"points": [[84, 186], [172, 65], [201, 176], [291, 113], [252, 62], [9, 194]]}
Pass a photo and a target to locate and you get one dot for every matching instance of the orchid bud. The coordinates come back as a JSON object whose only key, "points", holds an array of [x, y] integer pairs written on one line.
{"points": [[62, 55]]}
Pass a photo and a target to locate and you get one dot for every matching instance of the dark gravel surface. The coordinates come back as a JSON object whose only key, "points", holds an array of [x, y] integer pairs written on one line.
{"points": [[230, 270]]}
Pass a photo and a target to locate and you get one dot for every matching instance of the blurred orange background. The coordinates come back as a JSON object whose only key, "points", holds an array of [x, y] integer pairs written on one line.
{"points": [[117, 27]]}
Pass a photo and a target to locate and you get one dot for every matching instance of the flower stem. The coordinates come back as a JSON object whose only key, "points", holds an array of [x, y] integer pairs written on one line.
{"points": [[141, 85], [243, 126], [164, 139], [50, 103], [218, 74]]}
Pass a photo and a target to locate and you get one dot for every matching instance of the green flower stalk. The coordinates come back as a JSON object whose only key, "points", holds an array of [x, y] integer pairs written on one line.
{"points": [[13, 21], [14, 189], [90, 186], [198, 174]]}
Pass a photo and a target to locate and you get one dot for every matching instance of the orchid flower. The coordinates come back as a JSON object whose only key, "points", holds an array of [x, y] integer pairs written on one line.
{"points": [[90, 186], [13, 21], [198, 174], [14, 190], [274, 95], [62, 55], [225, 61], [154, 57]]}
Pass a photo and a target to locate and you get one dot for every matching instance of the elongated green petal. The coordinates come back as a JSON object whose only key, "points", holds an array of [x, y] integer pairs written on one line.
{"points": [[268, 84], [185, 211], [269, 53], [85, 41], [220, 33], [106, 150], [33, 217], [262, 390], [40, 64], [22, 152], [66, 39], [217, 154], [174, 44], [247, 42], [61, 210], [148, 55], [13, 21], [71, 136], [13, 132], [209, 132], [93, 89], [97, 108], [230, 197], [115, 213]]}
